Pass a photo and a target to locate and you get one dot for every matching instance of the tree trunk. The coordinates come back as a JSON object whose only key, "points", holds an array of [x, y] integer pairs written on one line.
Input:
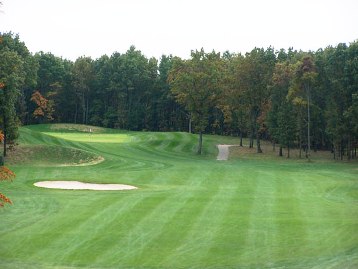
{"points": [[200, 142], [87, 105], [252, 133], [241, 139], [349, 149], [280, 152], [76, 111], [300, 145], [288, 150], [273, 146], [190, 122], [308, 127], [334, 151], [83, 104], [258, 143]]}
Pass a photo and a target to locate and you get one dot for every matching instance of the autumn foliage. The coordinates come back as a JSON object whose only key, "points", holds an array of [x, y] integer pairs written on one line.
{"points": [[44, 106], [5, 174], [2, 137]]}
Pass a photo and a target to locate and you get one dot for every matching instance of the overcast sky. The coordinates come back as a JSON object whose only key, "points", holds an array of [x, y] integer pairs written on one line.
{"points": [[72, 28]]}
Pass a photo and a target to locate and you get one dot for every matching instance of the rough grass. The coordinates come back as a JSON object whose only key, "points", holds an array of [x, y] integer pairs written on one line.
{"points": [[190, 211], [50, 155]]}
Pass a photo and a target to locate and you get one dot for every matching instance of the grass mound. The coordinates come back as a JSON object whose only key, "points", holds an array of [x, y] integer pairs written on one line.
{"points": [[50, 155]]}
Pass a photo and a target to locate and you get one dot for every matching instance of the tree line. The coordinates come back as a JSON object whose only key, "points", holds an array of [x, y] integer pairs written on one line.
{"points": [[296, 99]]}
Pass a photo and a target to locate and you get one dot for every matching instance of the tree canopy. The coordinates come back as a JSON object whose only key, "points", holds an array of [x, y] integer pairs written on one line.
{"points": [[197, 85], [306, 100]]}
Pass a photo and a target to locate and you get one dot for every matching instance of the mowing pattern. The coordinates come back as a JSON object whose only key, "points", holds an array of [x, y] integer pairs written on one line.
{"points": [[189, 211]]}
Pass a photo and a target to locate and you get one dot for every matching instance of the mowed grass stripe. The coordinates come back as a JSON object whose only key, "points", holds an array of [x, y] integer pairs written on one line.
{"points": [[105, 225], [289, 222], [261, 231], [164, 248], [142, 233], [50, 229], [194, 248], [327, 224], [231, 237]]}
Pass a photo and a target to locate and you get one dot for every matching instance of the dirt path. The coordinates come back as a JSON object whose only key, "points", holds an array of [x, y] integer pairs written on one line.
{"points": [[223, 152]]}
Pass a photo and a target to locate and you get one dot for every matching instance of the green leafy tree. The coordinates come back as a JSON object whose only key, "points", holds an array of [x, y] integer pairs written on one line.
{"points": [[138, 84], [255, 75], [83, 80], [281, 119], [51, 83], [17, 71], [233, 104], [170, 114], [197, 85], [301, 90], [12, 77]]}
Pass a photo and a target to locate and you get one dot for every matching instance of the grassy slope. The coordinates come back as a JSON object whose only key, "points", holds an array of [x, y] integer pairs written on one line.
{"points": [[190, 211]]}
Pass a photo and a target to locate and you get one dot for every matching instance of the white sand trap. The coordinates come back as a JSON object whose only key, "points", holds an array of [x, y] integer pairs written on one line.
{"points": [[223, 152], [77, 185]]}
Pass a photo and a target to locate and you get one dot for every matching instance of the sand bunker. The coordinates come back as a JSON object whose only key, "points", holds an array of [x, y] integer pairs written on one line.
{"points": [[77, 185]]}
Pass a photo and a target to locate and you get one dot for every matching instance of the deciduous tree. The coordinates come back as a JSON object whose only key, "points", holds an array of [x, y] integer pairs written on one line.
{"points": [[83, 81], [281, 119], [44, 109], [5, 174], [255, 76], [301, 89], [12, 78], [197, 85]]}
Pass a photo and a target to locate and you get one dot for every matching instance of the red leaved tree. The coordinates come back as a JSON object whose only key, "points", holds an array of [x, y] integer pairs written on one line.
{"points": [[44, 108], [5, 174]]}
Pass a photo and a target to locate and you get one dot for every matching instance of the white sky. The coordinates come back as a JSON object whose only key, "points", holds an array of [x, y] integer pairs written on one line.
{"points": [[72, 28]]}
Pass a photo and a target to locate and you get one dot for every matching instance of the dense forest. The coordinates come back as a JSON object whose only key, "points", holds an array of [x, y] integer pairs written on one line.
{"points": [[296, 99]]}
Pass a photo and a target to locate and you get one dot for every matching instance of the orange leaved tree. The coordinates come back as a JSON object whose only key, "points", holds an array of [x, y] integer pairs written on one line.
{"points": [[44, 109], [5, 174]]}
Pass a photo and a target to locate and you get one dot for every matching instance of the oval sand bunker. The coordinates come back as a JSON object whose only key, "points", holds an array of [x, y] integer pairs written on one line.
{"points": [[77, 185]]}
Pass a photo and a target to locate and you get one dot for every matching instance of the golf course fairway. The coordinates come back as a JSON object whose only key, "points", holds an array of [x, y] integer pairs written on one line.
{"points": [[189, 211]]}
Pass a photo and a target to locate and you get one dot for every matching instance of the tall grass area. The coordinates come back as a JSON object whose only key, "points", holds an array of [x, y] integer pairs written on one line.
{"points": [[190, 211]]}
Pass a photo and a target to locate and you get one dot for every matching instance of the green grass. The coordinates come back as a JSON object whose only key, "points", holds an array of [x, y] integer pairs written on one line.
{"points": [[253, 211]]}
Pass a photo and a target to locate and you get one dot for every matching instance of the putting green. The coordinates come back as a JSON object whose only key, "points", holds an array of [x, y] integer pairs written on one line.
{"points": [[189, 211], [92, 137]]}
